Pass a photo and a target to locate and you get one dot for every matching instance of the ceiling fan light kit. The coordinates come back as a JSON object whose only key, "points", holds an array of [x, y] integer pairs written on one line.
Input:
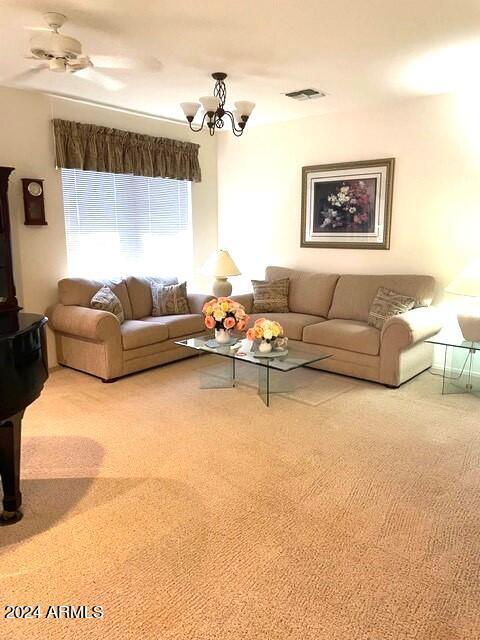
{"points": [[58, 65], [214, 113], [51, 44]]}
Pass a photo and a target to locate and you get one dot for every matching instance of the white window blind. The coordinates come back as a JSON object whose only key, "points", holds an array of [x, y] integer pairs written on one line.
{"points": [[119, 224]]}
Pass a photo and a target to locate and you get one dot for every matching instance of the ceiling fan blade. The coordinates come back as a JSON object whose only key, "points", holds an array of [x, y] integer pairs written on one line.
{"points": [[37, 28], [92, 75], [29, 73], [143, 63]]}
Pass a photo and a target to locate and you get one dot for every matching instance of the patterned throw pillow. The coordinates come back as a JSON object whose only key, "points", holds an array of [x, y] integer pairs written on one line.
{"points": [[106, 300], [169, 300], [270, 296], [386, 304]]}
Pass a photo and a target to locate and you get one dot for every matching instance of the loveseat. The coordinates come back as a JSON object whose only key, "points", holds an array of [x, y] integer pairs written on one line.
{"points": [[93, 341], [329, 312]]}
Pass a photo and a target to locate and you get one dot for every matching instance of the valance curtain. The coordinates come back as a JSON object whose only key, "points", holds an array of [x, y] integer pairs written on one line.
{"points": [[93, 148]]}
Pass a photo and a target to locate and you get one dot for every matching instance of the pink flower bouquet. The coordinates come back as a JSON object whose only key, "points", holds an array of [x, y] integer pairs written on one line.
{"points": [[224, 313]]}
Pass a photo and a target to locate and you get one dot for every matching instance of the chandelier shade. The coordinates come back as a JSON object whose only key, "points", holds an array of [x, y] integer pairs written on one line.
{"points": [[210, 103], [215, 115], [190, 108], [244, 107]]}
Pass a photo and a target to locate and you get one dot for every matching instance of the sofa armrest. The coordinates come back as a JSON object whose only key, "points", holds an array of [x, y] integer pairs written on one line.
{"points": [[411, 327], [92, 324], [197, 300]]}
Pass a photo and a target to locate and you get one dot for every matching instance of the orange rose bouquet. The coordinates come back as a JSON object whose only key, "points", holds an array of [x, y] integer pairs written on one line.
{"points": [[224, 315]]}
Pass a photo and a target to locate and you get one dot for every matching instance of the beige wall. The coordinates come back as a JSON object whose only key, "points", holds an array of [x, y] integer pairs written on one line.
{"points": [[436, 221], [26, 143], [436, 207]]}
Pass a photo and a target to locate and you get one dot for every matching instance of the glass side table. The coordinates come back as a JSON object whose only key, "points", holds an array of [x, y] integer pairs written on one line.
{"points": [[461, 363]]}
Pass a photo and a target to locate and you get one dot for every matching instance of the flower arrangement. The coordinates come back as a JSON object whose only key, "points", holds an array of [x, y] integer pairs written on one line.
{"points": [[348, 208], [268, 332], [223, 313]]}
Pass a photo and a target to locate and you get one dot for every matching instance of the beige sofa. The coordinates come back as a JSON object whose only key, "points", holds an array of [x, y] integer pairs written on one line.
{"points": [[93, 341], [329, 313]]}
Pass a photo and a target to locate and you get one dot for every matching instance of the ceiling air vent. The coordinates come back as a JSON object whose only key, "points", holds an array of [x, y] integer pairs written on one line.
{"points": [[306, 94]]}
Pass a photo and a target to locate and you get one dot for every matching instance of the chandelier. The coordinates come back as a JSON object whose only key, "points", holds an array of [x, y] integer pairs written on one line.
{"points": [[215, 115]]}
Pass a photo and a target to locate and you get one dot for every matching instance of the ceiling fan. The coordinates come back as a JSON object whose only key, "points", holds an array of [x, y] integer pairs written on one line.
{"points": [[63, 54]]}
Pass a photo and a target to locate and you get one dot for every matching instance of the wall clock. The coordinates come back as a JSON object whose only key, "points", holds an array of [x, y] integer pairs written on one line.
{"points": [[33, 201]]}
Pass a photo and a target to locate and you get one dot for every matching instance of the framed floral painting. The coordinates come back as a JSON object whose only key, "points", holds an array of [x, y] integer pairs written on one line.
{"points": [[347, 205]]}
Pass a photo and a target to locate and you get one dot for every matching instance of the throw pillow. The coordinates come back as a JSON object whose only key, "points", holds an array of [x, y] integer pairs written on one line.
{"points": [[170, 299], [270, 296], [106, 300], [386, 304]]}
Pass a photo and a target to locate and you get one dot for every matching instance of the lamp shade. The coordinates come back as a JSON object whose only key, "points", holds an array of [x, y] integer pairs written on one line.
{"points": [[468, 282], [245, 107], [190, 108], [210, 103], [221, 265]]}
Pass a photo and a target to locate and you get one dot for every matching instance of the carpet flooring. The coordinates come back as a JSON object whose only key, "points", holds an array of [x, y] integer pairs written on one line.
{"points": [[195, 514]]}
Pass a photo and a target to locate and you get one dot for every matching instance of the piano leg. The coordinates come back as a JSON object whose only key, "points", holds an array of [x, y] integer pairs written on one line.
{"points": [[10, 441]]}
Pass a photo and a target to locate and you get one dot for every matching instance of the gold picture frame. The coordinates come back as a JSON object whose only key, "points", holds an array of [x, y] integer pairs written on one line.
{"points": [[347, 205]]}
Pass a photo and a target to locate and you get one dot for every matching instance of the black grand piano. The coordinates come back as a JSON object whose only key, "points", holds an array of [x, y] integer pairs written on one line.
{"points": [[23, 366], [23, 370]]}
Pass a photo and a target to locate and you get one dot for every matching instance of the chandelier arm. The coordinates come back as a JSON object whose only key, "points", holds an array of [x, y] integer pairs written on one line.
{"points": [[201, 125], [237, 131]]}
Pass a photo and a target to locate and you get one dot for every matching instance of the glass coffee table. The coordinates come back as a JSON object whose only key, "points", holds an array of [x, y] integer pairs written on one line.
{"points": [[461, 363], [271, 370]]}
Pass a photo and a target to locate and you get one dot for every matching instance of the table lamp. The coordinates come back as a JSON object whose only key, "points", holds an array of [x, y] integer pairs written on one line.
{"points": [[221, 265], [468, 284]]}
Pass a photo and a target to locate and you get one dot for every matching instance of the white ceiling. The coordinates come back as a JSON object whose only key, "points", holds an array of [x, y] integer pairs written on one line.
{"points": [[358, 51]]}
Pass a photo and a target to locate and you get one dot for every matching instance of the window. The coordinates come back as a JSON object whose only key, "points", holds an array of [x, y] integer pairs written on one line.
{"points": [[119, 224]]}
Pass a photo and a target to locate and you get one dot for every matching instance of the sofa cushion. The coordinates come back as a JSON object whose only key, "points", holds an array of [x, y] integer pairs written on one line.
{"points": [[309, 293], [270, 296], [106, 300], [387, 304], [140, 293], [292, 323], [169, 299], [178, 325], [80, 291], [354, 294], [350, 335], [136, 333]]}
